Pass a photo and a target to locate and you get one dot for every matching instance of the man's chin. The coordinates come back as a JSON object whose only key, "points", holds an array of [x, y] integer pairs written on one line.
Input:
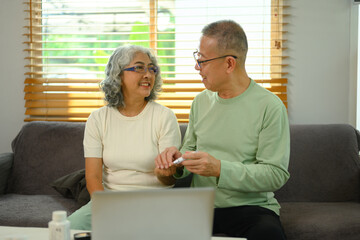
{"points": [[207, 86]]}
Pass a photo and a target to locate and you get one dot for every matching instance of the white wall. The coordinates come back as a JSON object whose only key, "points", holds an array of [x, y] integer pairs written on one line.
{"points": [[320, 86], [319, 50], [12, 71]]}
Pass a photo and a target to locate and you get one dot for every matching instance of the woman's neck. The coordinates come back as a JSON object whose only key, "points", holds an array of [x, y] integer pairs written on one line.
{"points": [[132, 108]]}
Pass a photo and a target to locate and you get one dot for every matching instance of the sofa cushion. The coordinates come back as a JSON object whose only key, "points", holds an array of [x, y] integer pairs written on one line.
{"points": [[32, 210], [324, 164], [325, 220], [43, 152], [73, 186]]}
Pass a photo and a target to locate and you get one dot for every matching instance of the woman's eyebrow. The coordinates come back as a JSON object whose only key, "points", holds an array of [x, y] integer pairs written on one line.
{"points": [[142, 63]]}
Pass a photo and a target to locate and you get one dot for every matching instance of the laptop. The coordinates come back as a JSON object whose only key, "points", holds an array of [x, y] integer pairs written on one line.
{"points": [[157, 214]]}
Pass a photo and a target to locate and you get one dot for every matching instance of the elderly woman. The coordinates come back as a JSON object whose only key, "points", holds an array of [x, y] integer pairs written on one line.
{"points": [[123, 138]]}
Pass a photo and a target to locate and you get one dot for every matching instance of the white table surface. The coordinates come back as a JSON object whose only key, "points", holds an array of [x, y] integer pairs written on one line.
{"points": [[43, 233]]}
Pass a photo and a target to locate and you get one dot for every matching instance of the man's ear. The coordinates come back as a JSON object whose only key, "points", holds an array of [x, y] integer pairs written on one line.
{"points": [[231, 64]]}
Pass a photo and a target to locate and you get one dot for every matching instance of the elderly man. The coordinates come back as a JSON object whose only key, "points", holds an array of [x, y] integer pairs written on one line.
{"points": [[237, 140]]}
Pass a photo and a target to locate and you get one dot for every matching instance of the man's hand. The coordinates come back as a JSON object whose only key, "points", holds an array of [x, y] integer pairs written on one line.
{"points": [[164, 160], [202, 163]]}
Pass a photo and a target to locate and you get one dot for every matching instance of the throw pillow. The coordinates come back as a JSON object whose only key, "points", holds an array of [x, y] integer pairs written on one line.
{"points": [[6, 161], [73, 186]]}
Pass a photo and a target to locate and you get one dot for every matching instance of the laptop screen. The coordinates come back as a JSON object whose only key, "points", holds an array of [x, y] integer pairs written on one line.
{"points": [[159, 214]]}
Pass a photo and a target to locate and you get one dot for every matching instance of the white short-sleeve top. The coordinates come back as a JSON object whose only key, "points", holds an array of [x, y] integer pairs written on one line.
{"points": [[129, 145]]}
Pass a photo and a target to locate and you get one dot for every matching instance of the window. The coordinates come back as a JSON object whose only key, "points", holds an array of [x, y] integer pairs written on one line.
{"points": [[70, 41]]}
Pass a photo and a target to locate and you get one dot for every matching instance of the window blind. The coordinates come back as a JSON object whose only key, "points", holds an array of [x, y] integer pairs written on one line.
{"points": [[69, 42]]}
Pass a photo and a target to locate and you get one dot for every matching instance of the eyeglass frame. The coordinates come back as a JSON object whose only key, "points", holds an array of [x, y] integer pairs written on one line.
{"points": [[198, 62], [146, 69]]}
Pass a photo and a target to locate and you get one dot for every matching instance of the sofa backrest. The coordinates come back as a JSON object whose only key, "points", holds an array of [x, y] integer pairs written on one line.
{"points": [[324, 160], [44, 152], [324, 164]]}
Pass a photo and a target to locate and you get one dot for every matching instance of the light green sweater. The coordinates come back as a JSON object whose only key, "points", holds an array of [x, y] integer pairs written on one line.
{"points": [[249, 134]]}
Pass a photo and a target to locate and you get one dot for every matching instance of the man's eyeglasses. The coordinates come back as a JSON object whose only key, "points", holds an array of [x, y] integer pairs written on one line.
{"points": [[143, 69], [198, 62]]}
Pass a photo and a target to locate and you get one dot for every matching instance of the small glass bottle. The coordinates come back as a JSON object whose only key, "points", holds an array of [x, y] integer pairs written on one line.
{"points": [[59, 227]]}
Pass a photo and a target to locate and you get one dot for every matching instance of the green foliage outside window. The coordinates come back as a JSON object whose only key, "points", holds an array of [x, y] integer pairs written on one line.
{"points": [[58, 41]]}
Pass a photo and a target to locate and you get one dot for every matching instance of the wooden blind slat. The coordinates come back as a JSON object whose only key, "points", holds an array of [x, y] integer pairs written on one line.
{"points": [[164, 72], [166, 80], [100, 96], [181, 119], [96, 103], [80, 112], [36, 96], [106, 57], [40, 49], [42, 88]]}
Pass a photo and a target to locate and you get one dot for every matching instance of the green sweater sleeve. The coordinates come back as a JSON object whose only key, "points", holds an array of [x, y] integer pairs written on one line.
{"points": [[189, 144]]}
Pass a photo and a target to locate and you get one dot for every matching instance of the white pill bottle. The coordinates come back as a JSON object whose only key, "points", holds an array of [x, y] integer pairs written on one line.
{"points": [[59, 227]]}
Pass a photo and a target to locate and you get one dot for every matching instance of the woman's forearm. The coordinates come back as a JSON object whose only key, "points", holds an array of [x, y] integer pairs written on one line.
{"points": [[94, 185], [93, 175]]}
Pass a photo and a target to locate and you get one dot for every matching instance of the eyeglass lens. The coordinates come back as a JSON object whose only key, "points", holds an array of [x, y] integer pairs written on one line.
{"points": [[143, 69]]}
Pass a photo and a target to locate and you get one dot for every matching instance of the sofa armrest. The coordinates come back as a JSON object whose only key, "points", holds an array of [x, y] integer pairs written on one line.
{"points": [[6, 161]]}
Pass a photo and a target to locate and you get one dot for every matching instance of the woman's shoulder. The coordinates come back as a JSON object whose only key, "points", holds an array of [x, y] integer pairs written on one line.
{"points": [[101, 110], [160, 111], [159, 107], [101, 113]]}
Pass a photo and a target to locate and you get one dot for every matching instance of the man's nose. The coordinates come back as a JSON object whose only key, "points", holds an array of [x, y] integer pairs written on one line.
{"points": [[197, 66]]}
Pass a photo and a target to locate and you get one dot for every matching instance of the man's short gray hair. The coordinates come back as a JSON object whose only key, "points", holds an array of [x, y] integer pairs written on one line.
{"points": [[230, 37], [120, 58]]}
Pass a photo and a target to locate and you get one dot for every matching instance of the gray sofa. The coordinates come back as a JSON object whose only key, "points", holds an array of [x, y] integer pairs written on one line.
{"points": [[320, 201]]}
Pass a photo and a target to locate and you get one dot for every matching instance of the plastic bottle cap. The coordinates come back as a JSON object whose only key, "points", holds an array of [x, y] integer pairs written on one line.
{"points": [[59, 216]]}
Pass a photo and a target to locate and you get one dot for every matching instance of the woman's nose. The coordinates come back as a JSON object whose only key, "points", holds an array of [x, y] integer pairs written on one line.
{"points": [[148, 73]]}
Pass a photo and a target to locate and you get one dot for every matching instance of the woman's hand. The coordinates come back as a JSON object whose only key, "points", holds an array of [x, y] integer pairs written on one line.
{"points": [[164, 160], [166, 175], [166, 172], [165, 169]]}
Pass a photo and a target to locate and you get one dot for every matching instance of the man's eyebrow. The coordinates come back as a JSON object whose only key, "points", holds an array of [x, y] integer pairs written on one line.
{"points": [[201, 55]]}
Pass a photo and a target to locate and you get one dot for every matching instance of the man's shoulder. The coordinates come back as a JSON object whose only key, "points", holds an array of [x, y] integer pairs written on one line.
{"points": [[265, 96], [206, 94]]}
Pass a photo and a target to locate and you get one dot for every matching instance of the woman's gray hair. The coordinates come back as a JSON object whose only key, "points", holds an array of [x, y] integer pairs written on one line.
{"points": [[120, 58]]}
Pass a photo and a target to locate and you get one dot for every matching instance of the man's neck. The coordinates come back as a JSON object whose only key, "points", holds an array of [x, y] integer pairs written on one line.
{"points": [[235, 87]]}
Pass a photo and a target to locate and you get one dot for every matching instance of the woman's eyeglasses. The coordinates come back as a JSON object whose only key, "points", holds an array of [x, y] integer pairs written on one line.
{"points": [[198, 62], [143, 69]]}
